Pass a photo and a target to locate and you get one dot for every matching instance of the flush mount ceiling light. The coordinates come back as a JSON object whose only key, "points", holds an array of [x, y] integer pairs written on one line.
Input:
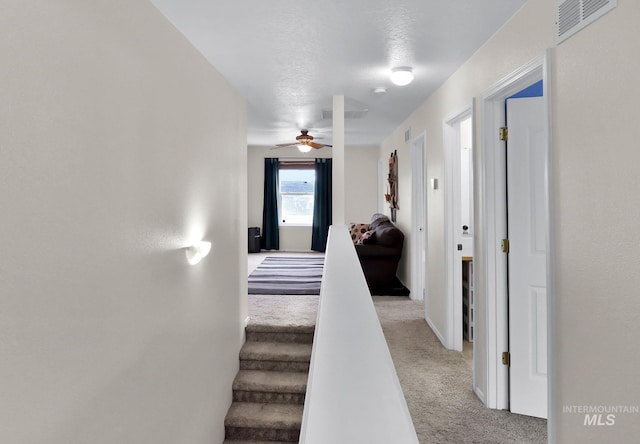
{"points": [[402, 75], [197, 251], [304, 148], [379, 90]]}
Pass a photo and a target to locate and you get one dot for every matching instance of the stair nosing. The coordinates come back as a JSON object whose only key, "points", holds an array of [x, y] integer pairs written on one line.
{"points": [[261, 351], [267, 328], [243, 415], [246, 381]]}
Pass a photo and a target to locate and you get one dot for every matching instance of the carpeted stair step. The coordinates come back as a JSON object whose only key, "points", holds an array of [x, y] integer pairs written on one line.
{"points": [[263, 422], [270, 386], [275, 356], [302, 334]]}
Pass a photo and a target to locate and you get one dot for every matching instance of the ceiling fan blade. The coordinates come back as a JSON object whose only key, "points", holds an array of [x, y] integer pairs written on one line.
{"points": [[287, 144], [316, 145]]}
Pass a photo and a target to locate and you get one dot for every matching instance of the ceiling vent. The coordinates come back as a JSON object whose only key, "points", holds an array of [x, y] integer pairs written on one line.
{"points": [[573, 15], [355, 114]]}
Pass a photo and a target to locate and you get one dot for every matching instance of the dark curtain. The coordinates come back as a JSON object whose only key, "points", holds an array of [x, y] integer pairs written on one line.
{"points": [[321, 205], [270, 226]]}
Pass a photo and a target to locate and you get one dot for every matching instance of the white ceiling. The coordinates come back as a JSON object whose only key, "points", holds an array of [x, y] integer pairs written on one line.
{"points": [[290, 57]]}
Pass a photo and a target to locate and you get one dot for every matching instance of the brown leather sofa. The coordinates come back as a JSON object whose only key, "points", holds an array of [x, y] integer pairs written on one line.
{"points": [[379, 251]]}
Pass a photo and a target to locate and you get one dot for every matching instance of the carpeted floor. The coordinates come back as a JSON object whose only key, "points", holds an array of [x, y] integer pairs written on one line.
{"points": [[437, 383], [283, 309]]}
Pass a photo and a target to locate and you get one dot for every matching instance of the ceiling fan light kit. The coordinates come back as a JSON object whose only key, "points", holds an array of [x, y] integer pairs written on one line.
{"points": [[402, 75], [304, 142]]}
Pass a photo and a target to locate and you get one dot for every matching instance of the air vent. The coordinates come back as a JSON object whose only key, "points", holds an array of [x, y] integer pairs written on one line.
{"points": [[353, 114], [573, 15]]}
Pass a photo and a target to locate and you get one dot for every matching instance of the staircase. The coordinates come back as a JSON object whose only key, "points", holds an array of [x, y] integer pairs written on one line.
{"points": [[269, 390]]}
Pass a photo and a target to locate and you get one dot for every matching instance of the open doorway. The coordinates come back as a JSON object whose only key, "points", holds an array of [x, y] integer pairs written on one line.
{"points": [[459, 230]]}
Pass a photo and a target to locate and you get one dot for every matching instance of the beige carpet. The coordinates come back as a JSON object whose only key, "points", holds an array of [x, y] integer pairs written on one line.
{"points": [[436, 382]]}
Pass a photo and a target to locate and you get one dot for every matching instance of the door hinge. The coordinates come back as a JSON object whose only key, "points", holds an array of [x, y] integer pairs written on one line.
{"points": [[505, 245], [504, 133], [506, 358]]}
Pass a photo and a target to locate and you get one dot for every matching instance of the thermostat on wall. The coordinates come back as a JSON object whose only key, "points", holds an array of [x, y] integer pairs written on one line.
{"points": [[434, 183]]}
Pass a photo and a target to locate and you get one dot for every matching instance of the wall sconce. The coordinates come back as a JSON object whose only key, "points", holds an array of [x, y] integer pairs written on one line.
{"points": [[197, 251]]}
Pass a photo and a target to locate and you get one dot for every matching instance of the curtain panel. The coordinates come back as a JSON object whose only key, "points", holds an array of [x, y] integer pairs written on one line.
{"points": [[270, 224], [321, 205]]}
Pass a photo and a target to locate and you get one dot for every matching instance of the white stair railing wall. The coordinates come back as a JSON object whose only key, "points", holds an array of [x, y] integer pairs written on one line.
{"points": [[353, 393]]}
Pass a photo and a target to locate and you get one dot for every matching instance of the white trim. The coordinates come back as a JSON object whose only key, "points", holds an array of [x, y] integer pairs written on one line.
{"points": [[517, 80], [493, 220], [479, 393], [551, 311], [493, 217], [295, 224], [451, 140], [435, 330]]}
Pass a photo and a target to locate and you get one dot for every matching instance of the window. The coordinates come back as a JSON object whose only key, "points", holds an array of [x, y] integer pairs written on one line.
{"points": [[296, 189]]}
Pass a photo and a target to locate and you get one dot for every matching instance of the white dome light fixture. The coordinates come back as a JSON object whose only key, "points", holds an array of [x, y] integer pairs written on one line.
{"points": [[303, 148], [197, 251], [402, 75]]}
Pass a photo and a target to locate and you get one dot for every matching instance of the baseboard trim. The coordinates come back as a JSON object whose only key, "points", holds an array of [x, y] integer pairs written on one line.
{"points": [[436, 332], [480, 394]]}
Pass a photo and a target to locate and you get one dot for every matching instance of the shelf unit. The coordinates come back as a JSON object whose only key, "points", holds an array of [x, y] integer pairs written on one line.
{"points": [[467, 299]]}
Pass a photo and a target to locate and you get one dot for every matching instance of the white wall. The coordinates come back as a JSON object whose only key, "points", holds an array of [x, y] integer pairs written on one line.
{"points": [[360, 188], [361, 183], [595, 201], [119, 144], [594, 171]]}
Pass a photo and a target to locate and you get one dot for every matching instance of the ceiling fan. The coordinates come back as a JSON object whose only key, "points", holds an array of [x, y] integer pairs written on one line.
{"points": [[305, 142]]}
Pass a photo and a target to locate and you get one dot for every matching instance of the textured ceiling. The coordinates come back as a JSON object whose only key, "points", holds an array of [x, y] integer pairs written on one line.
{"points": [[290, 57]]}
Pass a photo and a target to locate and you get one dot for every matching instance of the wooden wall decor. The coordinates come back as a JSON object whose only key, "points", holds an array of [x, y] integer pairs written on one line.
{"points": [[392, 192]]}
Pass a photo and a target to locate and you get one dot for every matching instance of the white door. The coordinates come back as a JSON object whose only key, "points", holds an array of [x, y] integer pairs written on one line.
{"points": [[418, 260], [527, 216]]}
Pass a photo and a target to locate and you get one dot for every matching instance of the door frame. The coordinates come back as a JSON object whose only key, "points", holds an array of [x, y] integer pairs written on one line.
{"points": [[451, 142], [418, 216], [493, 222]]}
